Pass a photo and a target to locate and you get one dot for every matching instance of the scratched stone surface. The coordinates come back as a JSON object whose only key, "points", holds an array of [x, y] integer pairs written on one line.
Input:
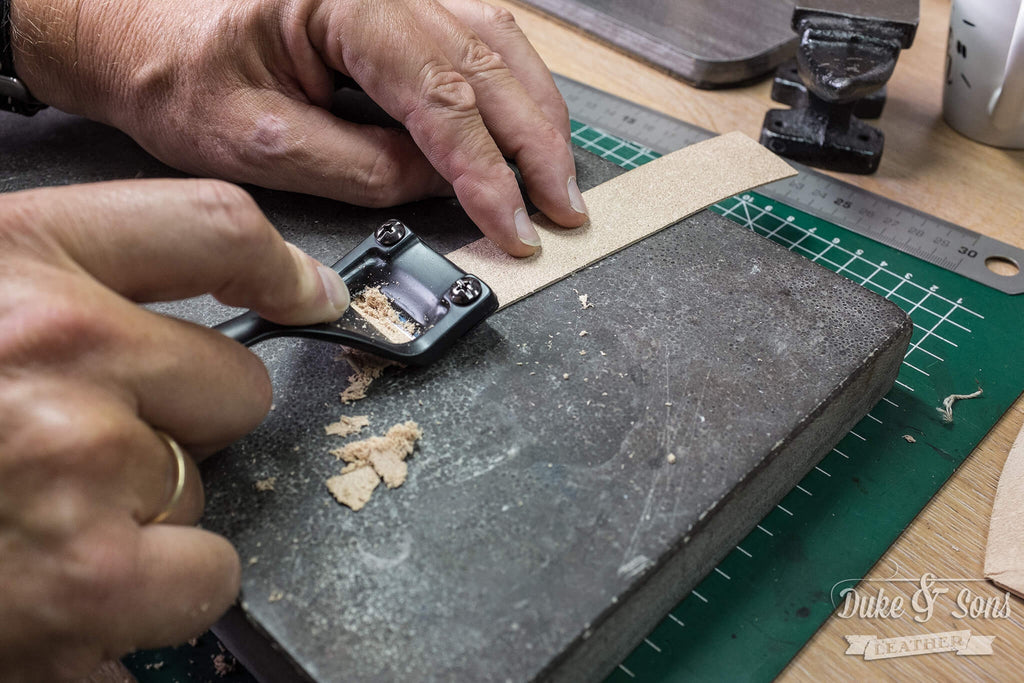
{"points": [[542, 531]]}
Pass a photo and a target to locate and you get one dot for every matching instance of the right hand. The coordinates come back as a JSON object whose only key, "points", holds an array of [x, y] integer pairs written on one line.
{"points": [[86, 376]]}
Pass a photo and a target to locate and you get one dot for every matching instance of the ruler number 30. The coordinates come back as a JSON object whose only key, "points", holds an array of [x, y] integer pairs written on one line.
{"points": [[969, 253]]}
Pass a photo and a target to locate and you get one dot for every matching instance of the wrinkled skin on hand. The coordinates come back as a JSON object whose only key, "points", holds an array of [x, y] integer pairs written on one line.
{"points": [[86, 376], [238, 89]]}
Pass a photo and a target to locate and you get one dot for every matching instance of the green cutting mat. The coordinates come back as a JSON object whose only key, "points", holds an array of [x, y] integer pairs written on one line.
{"points": [[752, 614], [749, 617]]}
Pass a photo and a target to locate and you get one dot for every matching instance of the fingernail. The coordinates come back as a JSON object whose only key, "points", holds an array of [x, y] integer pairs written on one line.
{"points": [[576, 197], [524, 228], [335, 287]]}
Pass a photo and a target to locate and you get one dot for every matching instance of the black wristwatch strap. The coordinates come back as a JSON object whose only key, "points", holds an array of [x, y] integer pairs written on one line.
{"points": [[14, 96]]}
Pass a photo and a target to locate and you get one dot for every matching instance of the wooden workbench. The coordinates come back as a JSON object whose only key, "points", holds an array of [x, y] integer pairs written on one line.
{"points": [[926, 165]]}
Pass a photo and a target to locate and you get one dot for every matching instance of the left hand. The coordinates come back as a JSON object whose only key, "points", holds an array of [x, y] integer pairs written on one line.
{"points": [[238, 89], [86, 379]]}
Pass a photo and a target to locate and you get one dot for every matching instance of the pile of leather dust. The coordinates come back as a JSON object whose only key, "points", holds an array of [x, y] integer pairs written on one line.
{"points": [[372, 460], [365, 369], [347, 425], [375, 306]]}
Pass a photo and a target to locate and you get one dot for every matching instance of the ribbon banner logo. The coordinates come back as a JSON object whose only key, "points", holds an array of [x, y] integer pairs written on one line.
{"points": [[960, 642]]}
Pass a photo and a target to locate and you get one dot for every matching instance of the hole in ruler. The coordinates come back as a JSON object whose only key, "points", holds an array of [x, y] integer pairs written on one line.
{"points": [[1000, 265]]}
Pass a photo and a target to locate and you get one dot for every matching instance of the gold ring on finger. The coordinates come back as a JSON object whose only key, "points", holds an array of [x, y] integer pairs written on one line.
{"points": [[180, 471]]}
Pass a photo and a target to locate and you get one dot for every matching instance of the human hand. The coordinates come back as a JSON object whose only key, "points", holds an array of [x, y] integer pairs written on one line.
{"points": [[86, 376], [239, 90]]}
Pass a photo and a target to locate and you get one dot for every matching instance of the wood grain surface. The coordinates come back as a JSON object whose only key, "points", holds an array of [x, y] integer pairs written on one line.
{"points": [[928, 166]]}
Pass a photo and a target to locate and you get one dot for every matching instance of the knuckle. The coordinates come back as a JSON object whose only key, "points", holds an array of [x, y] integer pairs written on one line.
{"points": [[485, 187], [560, 114], [269, 140], [549, 139], [52, 330], [73, 440], [54, 460], [500, 18], [75, 329], [232, 213], [479, 59], [220, 198], [445, 88], [98, 567], [382, 178]]}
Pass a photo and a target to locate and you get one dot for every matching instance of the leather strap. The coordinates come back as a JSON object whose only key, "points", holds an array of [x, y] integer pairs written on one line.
{"points": [[625, 210]]}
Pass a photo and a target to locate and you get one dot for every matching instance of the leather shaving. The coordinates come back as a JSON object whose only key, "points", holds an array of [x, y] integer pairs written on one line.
{"points": [[375, 306], [354, 486], [347, 425], [266, 484], [223, 665], [365, 369], [371, 460]]}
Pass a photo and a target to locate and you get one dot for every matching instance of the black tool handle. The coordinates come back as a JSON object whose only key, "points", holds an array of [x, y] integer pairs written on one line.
{"points": [[249, 328]]}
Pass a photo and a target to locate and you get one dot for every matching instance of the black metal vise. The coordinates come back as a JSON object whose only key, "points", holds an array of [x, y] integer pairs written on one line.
{"points": [[847, 52]]}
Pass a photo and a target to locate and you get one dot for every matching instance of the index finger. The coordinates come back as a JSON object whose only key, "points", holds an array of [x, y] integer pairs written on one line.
{"points": [[517, 123], [160, 240], [416, 84], [498, 28]]}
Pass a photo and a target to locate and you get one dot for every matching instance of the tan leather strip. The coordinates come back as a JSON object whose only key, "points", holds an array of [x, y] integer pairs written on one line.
{"points": [[1004, 556], [626, 209]]}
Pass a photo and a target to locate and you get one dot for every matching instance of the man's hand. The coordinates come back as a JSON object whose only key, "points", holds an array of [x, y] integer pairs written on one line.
{"points": [[238, 89], [86, 376]]}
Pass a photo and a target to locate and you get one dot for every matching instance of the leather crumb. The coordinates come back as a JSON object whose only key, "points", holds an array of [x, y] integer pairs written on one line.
{"points": [[371, 460], [354, 486], [366, 368], [347, 425], [223, 665], [266, 484], [375, 306]]}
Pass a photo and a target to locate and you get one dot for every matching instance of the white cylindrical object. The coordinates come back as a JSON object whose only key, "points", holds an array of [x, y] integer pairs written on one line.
{"points": [[983, 97]]}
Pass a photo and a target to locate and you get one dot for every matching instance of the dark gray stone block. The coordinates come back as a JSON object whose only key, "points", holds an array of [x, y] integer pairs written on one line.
{"points": [[542, 531]]}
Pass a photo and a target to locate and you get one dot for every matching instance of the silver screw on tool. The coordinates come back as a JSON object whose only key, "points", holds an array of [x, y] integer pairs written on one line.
{"points": [[466, 290], [390, 232]]}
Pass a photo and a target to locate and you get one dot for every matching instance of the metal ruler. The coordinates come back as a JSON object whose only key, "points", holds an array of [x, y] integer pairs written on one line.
{"points": [[914, 232]]}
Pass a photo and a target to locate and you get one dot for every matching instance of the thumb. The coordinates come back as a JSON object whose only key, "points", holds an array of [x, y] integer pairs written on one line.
{"points": [[320, 294]]}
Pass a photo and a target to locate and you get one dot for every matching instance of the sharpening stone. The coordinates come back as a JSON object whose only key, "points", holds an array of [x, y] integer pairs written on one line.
{"points": [[542, 531]]}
